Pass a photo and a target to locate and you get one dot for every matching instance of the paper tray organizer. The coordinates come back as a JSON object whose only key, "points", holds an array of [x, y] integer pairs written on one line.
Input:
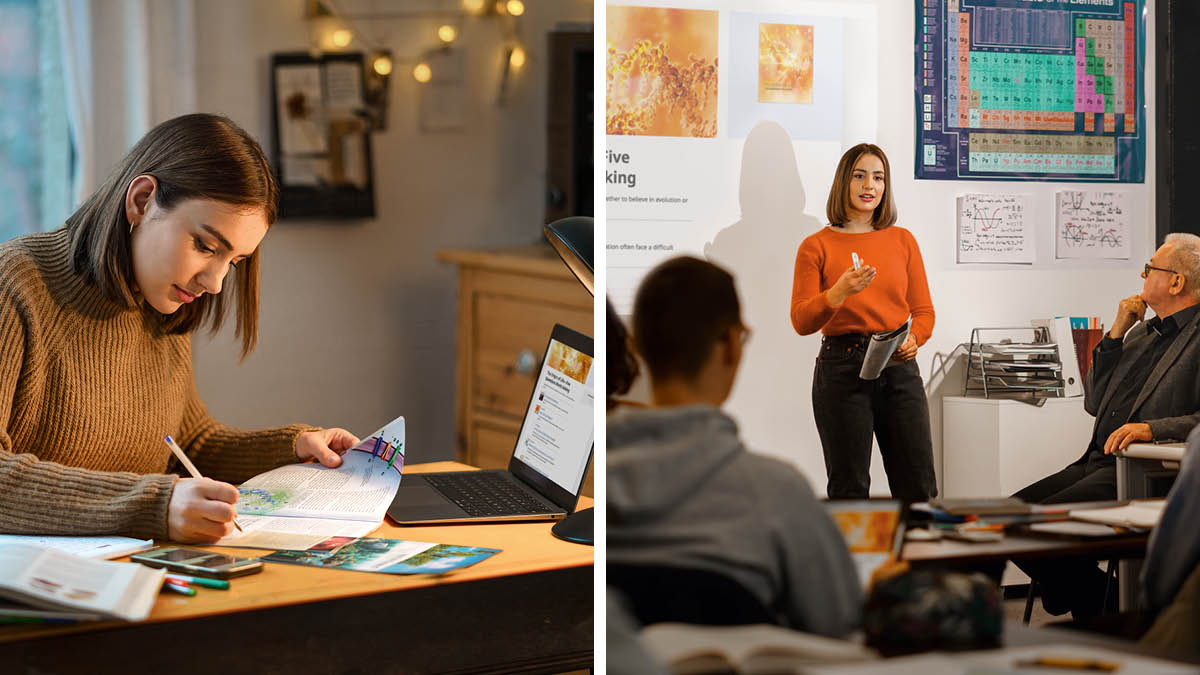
{"points": [[1013, 362]]}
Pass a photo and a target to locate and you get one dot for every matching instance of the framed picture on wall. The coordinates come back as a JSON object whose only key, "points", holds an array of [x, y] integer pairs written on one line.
{"points": [[322, 147]]}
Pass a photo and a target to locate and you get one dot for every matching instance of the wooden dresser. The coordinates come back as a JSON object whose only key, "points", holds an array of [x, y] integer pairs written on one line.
{"points": [[508, 301]]}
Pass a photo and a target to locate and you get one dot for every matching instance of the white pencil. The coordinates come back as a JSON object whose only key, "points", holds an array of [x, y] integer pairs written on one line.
{"points": [[187, 464]]}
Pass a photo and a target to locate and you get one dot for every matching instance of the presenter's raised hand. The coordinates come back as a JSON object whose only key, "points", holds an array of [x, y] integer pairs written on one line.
{"points": [[325, 445], [201, 510], [1130, 311], [1126, 434], [906, 351], [852, 281]]}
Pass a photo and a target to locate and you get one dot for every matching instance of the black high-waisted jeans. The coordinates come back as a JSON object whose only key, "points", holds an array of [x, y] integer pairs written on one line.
{"points": [[849, 410]]}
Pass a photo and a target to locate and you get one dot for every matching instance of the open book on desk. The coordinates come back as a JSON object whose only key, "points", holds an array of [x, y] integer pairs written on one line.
{"points": [[1139, 513], [86, 547], [297, 506], [757, 648], [54, 584]]}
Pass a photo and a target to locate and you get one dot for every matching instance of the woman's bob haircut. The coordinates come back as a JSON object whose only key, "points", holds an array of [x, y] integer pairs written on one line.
{"points": [[197, 156], [837, 208]]}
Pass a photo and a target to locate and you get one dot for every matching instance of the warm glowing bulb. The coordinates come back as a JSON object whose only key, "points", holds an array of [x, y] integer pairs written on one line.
{"points": [[447, 33], [517, 57], [499, 6], [422, 73], [473, 6], [515, 7], [383, 65], [341, 37]]}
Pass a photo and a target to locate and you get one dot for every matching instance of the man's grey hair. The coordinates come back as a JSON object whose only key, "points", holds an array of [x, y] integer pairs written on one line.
{"points": [[1185, 259]]}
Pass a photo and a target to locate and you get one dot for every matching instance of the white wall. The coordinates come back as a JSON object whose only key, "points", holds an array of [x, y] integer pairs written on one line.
{"points": [[772, 397], [357, 322]]}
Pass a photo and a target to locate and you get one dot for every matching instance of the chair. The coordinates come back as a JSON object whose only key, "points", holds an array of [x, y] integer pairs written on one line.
{"points": [[657, 594]]}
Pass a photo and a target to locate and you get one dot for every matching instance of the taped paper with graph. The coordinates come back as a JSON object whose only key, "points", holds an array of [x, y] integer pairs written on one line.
{"points": [[1092, 224], [994, 228]]}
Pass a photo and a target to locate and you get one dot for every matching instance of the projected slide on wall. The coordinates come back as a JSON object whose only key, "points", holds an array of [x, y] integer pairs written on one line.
{"points": [[1031, 90], [692, 95]]}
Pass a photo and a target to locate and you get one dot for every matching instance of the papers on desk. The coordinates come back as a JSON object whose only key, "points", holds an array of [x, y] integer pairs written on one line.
{"points": [[386, 556], [87, 547], [1140, 513], [69, 586], [299, 505]]}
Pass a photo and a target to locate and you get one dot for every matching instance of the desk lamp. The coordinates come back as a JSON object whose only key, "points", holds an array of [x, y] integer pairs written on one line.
{"points": [[572, 240]]}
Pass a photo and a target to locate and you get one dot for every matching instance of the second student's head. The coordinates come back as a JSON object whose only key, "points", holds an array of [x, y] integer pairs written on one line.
{"points": [[862, 188], [688, 329]]}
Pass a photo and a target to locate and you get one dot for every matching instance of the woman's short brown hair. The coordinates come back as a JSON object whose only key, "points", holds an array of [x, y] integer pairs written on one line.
{"points": [[838, 206], [197, 156]]}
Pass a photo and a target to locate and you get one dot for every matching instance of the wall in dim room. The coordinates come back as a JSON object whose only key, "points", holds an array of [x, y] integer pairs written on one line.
{"points": [[358, 318]]}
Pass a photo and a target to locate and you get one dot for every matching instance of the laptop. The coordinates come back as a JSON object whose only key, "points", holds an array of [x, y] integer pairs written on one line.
{"points": [[873, 530], [545, 473]]}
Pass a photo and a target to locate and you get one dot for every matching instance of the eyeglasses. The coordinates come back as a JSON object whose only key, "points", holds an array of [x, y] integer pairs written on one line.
{"points": [[1146, 270]]}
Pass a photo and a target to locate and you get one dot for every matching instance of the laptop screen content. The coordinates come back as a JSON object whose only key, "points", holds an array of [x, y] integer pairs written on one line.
{"points": [[556, 438]]}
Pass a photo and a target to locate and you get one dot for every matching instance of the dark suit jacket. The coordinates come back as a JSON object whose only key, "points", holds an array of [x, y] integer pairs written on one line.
{"points": [[1170, 400]]}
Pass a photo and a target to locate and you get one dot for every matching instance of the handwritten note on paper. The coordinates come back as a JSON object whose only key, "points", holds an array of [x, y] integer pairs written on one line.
{"points": [[994, 229], [1092, 224]]}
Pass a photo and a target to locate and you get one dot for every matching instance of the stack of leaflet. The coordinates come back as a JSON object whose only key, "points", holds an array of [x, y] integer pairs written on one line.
{"points": [[1005, 366]]}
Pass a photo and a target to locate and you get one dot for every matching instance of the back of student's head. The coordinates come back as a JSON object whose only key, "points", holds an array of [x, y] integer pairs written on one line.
{"points": [[682, 308], [622, 366]]}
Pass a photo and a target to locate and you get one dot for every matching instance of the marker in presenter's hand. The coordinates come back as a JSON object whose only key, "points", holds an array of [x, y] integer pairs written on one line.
{"points": [[855, 259], [187, 464]]}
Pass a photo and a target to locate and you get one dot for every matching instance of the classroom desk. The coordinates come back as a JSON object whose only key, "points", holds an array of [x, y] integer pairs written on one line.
{"points": [[1020, 547], [525, 610]]}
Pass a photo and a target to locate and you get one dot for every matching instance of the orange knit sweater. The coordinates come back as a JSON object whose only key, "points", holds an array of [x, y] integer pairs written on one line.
{"points": [[899, 287], [88, 389]]}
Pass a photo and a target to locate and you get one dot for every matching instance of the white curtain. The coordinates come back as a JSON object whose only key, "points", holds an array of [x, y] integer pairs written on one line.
{"points": [[127, 65]]}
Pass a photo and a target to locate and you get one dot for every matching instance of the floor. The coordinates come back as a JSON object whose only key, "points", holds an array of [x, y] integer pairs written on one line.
{"points": [[1014, 610]]}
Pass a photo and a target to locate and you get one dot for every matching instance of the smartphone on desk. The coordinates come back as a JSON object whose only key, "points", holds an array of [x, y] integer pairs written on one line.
{"points": [[198, 563]]}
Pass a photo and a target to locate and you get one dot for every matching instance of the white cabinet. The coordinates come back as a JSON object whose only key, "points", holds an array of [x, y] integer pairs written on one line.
{"points": [[994, 447]]}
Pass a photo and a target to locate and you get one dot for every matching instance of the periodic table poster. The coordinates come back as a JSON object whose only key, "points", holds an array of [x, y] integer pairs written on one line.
{"points": [[1049, 90]]}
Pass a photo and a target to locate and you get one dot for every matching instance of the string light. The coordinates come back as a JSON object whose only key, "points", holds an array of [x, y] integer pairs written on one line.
{"points": [[447, 33], [422, 73], [473, 6], [517, 58], [342, 37], [515, 7], [383, 65]]}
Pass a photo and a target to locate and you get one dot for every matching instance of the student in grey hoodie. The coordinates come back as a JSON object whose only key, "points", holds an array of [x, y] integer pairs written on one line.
{"points": [[683, 491]]}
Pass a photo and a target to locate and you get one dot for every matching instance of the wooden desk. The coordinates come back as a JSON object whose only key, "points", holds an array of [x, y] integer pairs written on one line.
{"points": [[1020, 547], [525, 610]]}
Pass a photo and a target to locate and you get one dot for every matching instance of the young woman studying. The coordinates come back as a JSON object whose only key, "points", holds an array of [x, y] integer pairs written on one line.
{"points": [[95, 347], [848, 302]]}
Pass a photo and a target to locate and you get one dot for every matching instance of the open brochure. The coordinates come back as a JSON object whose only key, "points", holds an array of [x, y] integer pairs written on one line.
{"points": [[880, 350], [297, 506], [387, 556], [69, 586], [758, 648]]}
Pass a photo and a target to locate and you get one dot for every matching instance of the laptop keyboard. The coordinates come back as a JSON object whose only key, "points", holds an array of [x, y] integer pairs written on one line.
{"points": [[486, 494]]}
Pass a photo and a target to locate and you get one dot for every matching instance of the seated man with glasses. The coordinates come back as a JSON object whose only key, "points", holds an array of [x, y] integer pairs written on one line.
{"points": [[1144, 385], [683, 491]]}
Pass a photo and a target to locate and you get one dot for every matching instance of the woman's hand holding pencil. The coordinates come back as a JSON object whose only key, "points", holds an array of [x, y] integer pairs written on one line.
{"points": [[201, 509]]}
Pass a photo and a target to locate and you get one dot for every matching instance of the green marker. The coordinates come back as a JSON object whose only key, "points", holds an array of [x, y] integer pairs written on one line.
{"points": [[394, 453], [200, 581]]}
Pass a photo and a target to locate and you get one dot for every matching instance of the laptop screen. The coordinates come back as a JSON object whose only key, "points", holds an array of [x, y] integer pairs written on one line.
{"points": [[873, 529], [556, 437]]}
